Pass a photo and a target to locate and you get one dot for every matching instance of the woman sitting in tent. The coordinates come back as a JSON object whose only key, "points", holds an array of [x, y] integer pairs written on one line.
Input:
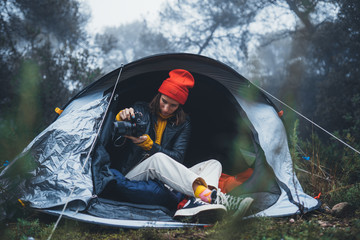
{"points": [[159, 152]]}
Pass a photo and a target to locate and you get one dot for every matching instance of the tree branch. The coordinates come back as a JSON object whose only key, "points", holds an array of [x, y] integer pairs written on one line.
{"points": [[303, 17], [208, 39]]}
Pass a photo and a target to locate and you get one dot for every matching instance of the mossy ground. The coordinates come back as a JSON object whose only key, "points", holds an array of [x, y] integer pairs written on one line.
{"points": [[315, 225]]}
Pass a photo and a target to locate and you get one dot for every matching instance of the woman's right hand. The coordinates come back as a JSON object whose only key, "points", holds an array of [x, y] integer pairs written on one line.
{"points": [[127, 113]]}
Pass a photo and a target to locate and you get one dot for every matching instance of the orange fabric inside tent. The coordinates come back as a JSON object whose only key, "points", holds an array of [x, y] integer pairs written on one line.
{"points": [[228, 182]]}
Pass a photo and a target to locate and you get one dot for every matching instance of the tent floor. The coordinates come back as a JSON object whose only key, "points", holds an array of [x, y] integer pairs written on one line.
{"points": [[120, 223], [124, 215]]}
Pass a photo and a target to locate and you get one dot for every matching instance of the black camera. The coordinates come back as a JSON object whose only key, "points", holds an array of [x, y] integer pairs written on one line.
{"points": [[135, 127]]}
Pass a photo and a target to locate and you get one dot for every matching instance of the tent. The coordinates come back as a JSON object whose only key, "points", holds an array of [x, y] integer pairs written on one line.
{"points": [[232, 121]]}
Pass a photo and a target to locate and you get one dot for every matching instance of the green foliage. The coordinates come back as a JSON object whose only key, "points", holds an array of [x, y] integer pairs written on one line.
{"points": [[294, 141], [63, 73], [311, 173], [276, 228], [333, 169], [26, 228], [40, 67], [350, 163], [19, 124], [348, 193], [33, 21], [46, 34], [332, 71], [351, 117]]}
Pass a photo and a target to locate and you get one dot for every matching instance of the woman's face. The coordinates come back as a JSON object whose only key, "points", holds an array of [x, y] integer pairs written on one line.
{"points": [[167, 105]]}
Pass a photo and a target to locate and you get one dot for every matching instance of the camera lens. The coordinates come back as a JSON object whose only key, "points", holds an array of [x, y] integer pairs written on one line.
{"points": [[123, 128]]}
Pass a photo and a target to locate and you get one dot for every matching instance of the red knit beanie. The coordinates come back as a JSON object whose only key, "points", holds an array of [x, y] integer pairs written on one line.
{"points": [[177, 85]]}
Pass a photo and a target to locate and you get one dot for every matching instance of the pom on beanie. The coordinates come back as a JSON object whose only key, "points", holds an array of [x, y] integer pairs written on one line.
{"points": [[177, 85]]}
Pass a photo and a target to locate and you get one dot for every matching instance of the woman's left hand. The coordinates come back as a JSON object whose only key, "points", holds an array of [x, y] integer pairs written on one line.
{"points": [[137, 139]]}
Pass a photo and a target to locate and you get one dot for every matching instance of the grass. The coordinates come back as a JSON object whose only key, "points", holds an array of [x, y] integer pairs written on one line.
{"points": [[315, 225]]}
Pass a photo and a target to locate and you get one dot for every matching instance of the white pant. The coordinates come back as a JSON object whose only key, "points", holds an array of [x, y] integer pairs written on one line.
{"points": [[162, 167]]}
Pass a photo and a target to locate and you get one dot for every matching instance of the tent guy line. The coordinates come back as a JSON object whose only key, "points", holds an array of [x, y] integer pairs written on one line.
{"points": [[301, 115], [90, 151]]}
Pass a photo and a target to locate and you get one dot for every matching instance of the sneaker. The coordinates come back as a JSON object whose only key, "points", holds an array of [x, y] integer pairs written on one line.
{"points": [[196, 210], [236, 206]]}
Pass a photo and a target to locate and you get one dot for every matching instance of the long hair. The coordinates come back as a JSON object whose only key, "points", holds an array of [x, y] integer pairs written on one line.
{"points": [[154, 105]]}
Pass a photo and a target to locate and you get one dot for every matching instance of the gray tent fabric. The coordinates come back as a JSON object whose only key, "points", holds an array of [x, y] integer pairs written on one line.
{"points": [[62, 149], [273, 139]]}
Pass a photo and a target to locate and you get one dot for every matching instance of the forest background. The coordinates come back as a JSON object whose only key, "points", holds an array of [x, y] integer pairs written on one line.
{"points": [[304, 52]]}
